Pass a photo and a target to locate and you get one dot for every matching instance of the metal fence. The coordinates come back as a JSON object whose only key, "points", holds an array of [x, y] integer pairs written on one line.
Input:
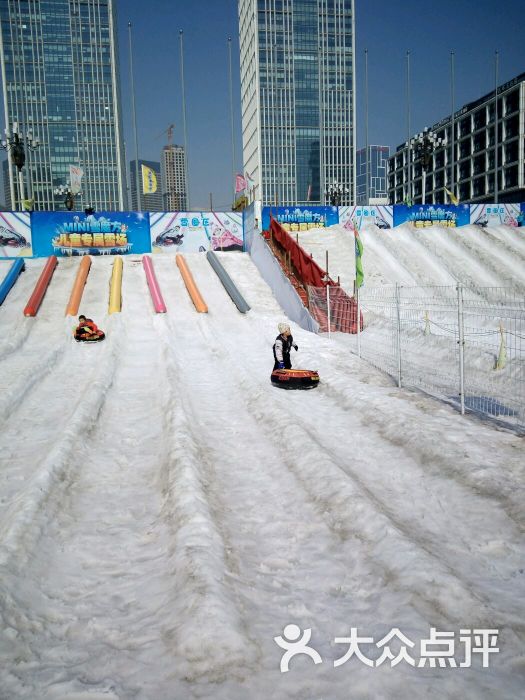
{"points": [[466, 346]]}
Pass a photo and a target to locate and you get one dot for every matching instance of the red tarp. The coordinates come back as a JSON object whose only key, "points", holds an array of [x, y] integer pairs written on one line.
{"points": [[308, 271], [343, 309]]}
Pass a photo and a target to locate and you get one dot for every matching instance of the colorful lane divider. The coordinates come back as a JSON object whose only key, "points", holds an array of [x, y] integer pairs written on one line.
{"points": [[41, 286], [154, 289], [193, 291], [11, 277], [227, 283], [78, 286], [115, 287]]}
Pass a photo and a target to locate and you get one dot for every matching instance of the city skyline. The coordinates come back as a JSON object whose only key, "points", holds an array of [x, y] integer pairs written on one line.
{"points": [[388, 31]]}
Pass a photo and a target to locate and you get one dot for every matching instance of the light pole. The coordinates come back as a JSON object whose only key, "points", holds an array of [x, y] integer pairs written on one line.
{"points": [[70, 195], [335, 193], [424, 145], [15, 144]]}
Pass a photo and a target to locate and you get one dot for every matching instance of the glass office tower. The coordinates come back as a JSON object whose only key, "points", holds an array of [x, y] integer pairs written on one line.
{"points": [[60, 81], [298, 98]]}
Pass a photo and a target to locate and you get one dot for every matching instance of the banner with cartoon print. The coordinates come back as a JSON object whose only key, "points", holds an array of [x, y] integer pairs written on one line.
{"points": [[495, 214], [423, 215], [15, 235], [377, 215], [193, 232], [102, 233]]}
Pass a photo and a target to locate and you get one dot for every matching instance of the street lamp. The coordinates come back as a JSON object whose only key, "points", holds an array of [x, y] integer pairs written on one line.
{"points": [[15, 144], [424, 145], [69, 201], [335, 193]]}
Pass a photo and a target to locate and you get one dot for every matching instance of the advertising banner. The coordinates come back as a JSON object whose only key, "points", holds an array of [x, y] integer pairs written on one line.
{"points": [[300, 218], [15, 235], [495, 214], [422, 215], [194, 232], [378, 215], [102, 233], [75, 178], [521, 217]]}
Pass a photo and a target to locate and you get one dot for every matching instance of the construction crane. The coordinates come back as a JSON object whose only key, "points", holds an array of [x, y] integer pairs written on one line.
{"points": [[168, 131]]}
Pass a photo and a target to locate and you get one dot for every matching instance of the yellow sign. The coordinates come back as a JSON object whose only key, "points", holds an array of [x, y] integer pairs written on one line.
{"points": [[149, 180]]}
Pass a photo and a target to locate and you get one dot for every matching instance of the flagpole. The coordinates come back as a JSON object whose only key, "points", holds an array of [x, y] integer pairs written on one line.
{"points": [[367, 192], [134, 116], [453, 129], [231, 116], [496, 145], [409, 146], [183, 92]]}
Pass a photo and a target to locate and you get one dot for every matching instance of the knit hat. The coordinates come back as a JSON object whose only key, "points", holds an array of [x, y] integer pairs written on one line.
{"points": [[283, 327]]}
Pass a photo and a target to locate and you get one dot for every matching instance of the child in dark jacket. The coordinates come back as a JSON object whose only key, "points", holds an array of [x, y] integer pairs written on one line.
{"points": [[282, 347]]}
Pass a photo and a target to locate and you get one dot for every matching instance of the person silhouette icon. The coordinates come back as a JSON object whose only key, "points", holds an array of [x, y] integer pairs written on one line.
{"points": [[293, 643]]}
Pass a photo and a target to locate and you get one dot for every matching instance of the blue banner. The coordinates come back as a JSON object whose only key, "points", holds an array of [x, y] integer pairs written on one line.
{"points": [[102, 233], [423, 215], [521, 215], [300, 218]]}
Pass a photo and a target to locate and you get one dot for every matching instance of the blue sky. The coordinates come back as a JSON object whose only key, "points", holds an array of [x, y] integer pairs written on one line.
{"points": [[429, 29]]}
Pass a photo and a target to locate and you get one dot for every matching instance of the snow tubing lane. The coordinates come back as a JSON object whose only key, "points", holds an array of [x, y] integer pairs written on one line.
{"points": [[228, 283], [11, 277], [41, 286], [193, 291], [295, 378]]}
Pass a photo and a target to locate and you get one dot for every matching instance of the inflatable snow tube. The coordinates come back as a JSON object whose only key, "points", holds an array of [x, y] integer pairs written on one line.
{"points": [[295, 378]]}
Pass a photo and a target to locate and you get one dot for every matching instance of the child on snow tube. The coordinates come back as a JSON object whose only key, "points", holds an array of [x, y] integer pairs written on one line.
{"points": [[87, 330]]}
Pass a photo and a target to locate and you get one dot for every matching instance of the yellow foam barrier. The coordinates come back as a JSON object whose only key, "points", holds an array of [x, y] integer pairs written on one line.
{"points": [[78, 286], [115, 287], [193, 291]]}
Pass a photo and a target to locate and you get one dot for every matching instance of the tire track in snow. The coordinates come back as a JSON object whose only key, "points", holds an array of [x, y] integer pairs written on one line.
{"points": [[20, 525], [392, 541], [198, 550]]}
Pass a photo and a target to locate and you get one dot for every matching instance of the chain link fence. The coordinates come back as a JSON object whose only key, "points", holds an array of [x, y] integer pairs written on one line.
{"points": [[466, 346]]}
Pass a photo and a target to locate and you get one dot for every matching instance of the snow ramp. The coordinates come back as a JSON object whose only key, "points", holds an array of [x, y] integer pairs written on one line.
{"points": [[168, 512]]}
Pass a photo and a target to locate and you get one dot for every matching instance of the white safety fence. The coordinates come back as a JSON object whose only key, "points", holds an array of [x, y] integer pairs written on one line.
{"points": [[466, 346]]}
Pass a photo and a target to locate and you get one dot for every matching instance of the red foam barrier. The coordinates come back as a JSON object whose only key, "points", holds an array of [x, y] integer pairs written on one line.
{"points": [[41, 286]]}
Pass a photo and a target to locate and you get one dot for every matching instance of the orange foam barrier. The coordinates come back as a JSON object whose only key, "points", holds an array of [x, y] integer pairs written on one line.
{"points": [[78, 287], [193, 291], [41, 286]]}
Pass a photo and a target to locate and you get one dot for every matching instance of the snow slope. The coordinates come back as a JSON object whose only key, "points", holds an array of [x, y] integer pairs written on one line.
{"points": [[165, 512], [474, 256]]}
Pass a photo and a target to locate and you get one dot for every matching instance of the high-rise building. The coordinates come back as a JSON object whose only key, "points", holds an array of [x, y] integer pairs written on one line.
{"points": [[470, 159], [174, 178], [298, 98], [60, 81], [149, 201], [377, 174]]}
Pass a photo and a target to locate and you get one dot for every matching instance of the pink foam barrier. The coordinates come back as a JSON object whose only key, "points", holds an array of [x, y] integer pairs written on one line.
{"points": [[36, 297], [158, 301]]}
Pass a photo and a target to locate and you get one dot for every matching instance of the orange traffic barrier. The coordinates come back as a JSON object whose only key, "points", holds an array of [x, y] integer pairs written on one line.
{"points": [[78, 287], [36, 297], [193, 291]]}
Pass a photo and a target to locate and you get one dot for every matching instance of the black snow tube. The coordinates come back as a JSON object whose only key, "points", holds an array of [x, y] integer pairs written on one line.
{"points": [[295, 378]]}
